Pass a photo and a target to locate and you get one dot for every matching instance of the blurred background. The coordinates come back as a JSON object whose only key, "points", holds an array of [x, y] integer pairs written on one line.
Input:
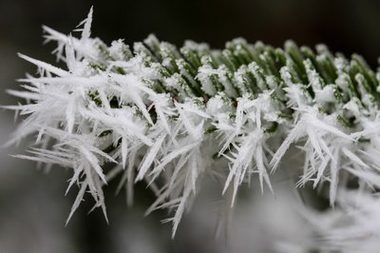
{"points": [[33, 208]]}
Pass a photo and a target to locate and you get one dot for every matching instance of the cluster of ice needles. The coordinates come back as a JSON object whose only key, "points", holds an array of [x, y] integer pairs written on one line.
{"points": [[171, 116]]}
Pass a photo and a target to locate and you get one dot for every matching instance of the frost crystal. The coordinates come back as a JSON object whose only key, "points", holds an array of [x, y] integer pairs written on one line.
{"points": [[151, 113]]}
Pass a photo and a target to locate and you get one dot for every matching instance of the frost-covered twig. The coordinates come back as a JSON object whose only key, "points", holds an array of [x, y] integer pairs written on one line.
{"points": [[170, 116]]}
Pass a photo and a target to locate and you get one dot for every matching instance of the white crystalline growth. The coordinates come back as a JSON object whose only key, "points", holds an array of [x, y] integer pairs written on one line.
{"points": [[158, 118]]}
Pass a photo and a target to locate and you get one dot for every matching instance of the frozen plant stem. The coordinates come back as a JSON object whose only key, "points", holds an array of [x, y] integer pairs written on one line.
{"points": [[156, 112]]}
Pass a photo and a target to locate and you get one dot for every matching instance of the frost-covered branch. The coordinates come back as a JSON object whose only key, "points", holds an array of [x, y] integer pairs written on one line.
{"points": [[170, 116]]}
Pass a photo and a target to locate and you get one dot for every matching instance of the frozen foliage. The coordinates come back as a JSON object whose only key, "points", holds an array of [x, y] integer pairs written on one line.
{"points": [[171, 116], [351, 227]]}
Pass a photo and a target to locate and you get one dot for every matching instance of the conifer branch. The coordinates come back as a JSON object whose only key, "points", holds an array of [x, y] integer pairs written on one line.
{"points": [[158, 112]]}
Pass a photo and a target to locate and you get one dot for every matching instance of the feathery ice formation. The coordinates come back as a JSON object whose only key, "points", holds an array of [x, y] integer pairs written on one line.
{"points": [[170, 116]]}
